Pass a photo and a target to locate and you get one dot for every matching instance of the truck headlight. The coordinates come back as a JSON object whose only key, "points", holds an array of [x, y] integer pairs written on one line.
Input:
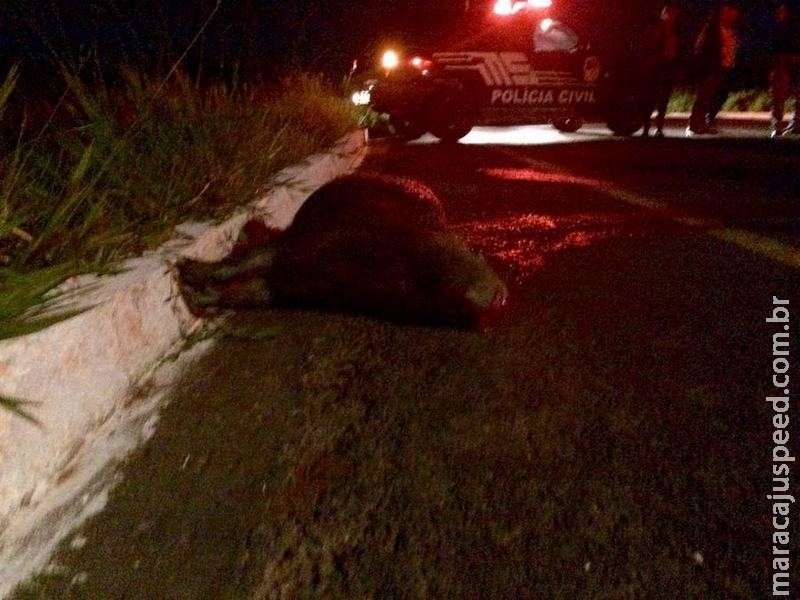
{"points": [[361, 98]]}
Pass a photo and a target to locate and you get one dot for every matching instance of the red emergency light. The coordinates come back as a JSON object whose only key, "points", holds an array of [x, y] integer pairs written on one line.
{"points": [[512, 7]]}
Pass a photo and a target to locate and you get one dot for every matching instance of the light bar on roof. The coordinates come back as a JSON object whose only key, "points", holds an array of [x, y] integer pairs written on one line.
{"points": [[511, 7]]}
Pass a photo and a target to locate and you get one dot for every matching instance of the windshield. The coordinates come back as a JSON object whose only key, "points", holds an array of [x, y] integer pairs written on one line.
{"points": [[552, 36]]}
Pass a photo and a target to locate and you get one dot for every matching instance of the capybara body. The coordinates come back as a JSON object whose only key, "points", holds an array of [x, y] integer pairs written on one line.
{"points": [[365, 244]]}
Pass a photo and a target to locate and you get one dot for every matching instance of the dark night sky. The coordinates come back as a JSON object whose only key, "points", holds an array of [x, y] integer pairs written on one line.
{"points": [[264, 36]]}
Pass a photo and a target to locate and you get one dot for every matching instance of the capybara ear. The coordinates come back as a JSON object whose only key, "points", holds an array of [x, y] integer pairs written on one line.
{"points": [[253, 234]]}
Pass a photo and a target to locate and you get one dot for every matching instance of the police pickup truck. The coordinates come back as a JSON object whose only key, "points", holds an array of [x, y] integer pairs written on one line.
{"points": [[515, 65]]}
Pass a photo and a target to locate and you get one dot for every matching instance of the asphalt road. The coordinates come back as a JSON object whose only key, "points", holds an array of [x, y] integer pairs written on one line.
{"points": [[608, 438]]}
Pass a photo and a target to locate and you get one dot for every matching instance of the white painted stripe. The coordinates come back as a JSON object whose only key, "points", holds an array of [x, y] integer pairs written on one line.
{"points": [[771, 248]]}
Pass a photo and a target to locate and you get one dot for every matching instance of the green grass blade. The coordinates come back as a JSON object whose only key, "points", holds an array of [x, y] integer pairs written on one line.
{"points": [[22, 293], [16, 407], [8, 85]]}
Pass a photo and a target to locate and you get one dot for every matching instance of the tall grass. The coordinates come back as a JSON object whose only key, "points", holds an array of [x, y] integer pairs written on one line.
{"points": [[113, 170], [122, 166]]}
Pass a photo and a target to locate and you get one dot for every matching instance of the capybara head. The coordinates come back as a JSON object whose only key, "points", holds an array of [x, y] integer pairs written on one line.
{"points": [[366, 244]]}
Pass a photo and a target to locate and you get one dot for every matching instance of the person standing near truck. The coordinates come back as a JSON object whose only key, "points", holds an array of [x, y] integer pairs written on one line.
{"points": [[785, 66], [659, 54], [715, 57]]}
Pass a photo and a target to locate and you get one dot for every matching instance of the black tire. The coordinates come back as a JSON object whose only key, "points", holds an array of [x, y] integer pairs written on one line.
{"points": [[625, 118], [568, 123], [407, 128], [451, 114]]}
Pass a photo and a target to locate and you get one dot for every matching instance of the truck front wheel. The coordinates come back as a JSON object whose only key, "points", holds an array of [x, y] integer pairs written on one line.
{"points": [[451, 114], [568, 123], [407, 128]]}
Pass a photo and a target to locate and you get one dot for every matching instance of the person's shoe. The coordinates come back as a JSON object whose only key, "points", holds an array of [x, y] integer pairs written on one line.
{"points": [[659, 133], [777, 131], [692, 130], [646, 132]]}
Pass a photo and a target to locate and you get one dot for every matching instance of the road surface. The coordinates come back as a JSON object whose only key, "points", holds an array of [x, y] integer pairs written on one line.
{"points": [[608, 438]]}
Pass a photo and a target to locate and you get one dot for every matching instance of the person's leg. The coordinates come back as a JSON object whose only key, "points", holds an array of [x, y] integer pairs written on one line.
{"points": [[648, 105], [666, 84], [779, 87], [793, 90], [706, 93], [647, 99], [720, 95], [700, 106]]}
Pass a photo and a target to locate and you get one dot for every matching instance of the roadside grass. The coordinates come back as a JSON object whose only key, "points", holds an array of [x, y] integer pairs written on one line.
{"points": [[23, 294], [753, 100], [112, 170]]}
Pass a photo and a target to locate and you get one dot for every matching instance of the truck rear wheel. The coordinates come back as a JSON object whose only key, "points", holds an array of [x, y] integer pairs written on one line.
{"points": [[626, 118]]}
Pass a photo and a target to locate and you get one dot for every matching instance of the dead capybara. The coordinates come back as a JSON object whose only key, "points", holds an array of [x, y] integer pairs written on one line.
{"points": [[366, 244]]}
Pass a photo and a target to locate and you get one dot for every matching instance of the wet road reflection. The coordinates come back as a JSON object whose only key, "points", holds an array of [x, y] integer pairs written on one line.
{"points": [[522, 243], [537, 176]]}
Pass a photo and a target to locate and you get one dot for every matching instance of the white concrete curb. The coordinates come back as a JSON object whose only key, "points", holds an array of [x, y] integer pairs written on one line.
{"points": [[88, 374]]}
